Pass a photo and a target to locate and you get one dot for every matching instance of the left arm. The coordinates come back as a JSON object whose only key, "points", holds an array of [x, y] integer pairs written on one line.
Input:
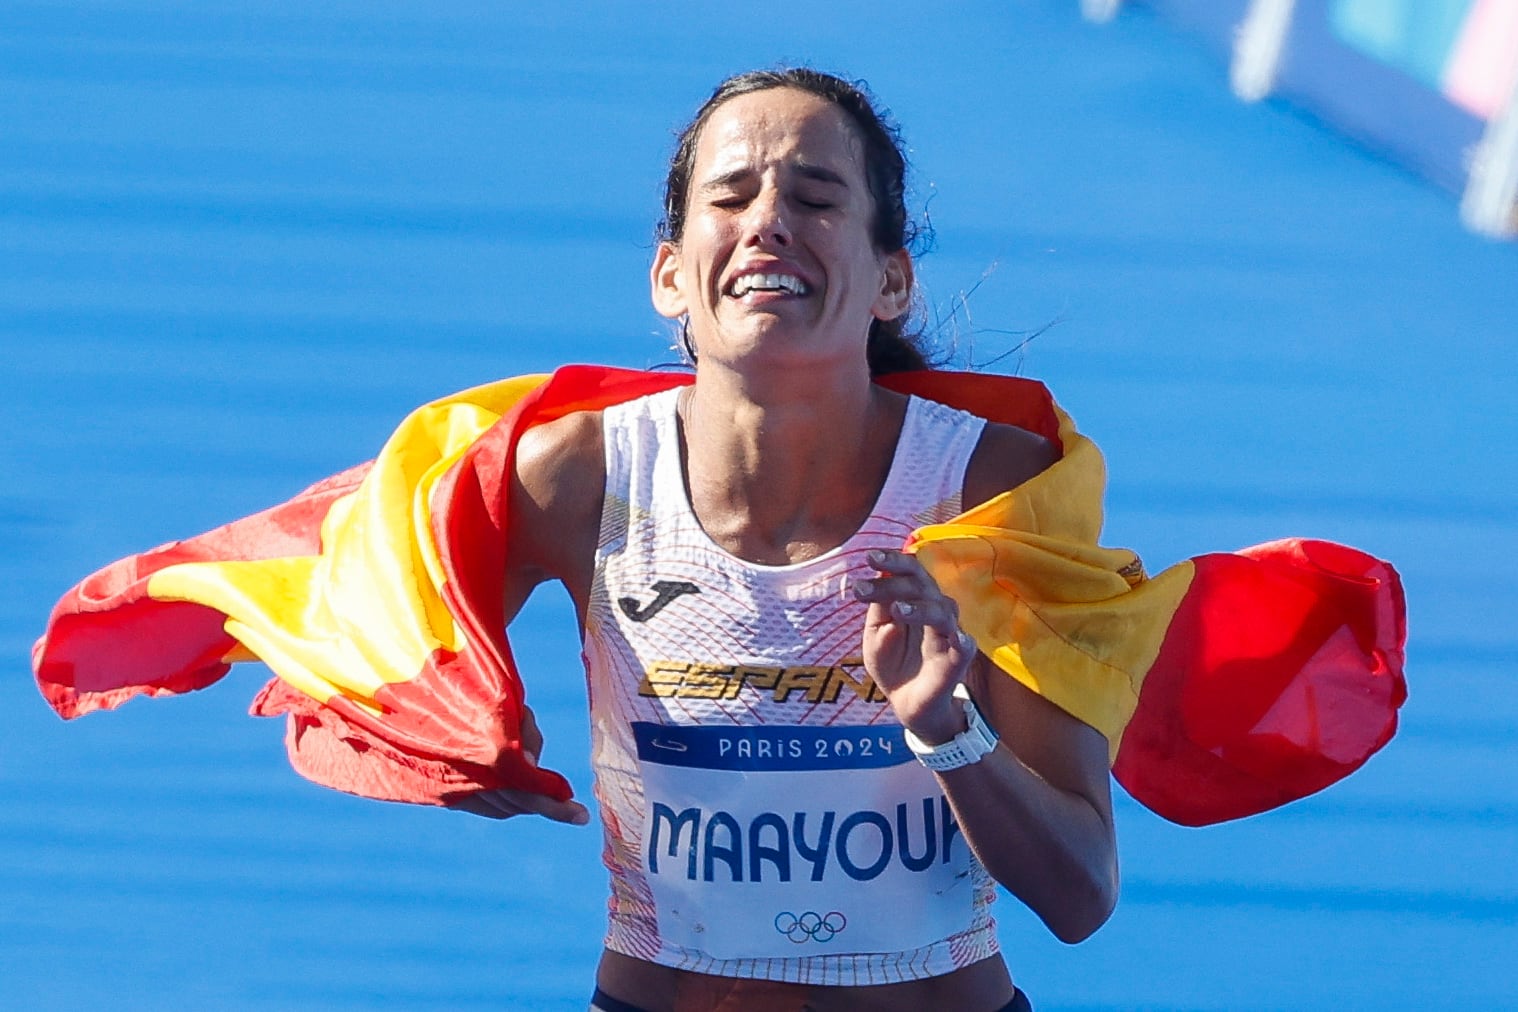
{"points": [[1038, 810]]}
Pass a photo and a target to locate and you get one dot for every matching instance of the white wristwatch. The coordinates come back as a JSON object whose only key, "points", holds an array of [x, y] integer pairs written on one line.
{"points": [[969, 746]]}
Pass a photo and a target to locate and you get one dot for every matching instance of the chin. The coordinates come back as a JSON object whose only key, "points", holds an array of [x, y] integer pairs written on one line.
{"points": [[774, 340], [788, 352]]}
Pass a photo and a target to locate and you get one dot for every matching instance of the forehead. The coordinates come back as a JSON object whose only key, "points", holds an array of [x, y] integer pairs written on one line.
{"points": [[778, 126]]}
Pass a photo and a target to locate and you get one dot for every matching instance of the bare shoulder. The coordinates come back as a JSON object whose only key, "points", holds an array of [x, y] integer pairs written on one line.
{"points": [[556, 489], [1005, 457]]}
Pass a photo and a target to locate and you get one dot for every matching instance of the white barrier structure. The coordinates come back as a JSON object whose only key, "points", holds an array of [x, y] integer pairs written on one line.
{"points": [[1432, 84]]}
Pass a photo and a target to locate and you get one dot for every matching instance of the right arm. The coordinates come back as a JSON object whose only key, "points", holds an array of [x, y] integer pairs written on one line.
{"points": [[555, 492]]}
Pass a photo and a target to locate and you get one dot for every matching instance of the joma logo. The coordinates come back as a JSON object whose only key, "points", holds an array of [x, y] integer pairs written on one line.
{"points": [[665, 591]]}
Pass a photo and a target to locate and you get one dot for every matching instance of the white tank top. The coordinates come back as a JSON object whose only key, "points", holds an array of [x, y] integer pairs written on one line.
{"points": [[763, 815]]}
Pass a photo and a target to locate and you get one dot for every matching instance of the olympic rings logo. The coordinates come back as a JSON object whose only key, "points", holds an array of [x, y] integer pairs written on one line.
{"points": [[810, 926]]}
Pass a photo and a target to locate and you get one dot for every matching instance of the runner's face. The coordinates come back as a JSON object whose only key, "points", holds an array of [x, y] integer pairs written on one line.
{"points": [[777, 255]]}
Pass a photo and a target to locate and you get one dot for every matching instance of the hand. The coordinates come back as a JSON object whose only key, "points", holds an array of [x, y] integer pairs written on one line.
{"points": [[504, 803], [913, 646]]}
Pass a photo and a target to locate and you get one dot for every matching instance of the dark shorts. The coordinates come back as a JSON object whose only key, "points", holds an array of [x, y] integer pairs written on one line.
{"points": [[603, 1002]]}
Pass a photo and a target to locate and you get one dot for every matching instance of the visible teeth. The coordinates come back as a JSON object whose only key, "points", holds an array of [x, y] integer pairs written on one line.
{"points": [[769, 282]]}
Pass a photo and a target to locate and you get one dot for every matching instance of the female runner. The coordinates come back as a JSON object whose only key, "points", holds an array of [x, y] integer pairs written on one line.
{"points": [[759, 651]]}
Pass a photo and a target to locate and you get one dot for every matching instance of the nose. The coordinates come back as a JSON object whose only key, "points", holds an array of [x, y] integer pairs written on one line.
{"points": [[766, 224]]}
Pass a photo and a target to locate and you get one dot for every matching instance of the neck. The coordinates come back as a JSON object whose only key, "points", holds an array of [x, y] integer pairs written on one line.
{"points": [[785, 467]]}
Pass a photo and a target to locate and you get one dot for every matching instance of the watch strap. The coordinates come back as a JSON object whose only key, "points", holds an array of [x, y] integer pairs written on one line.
{"points": [[969, 746]]}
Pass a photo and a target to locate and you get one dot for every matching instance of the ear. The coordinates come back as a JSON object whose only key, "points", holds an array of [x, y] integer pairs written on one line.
{"points": [[664, 282], [895, 297]]}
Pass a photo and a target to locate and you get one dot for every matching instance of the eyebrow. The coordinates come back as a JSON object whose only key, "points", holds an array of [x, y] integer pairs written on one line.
{"points": [[818, 173], [821, 174]]}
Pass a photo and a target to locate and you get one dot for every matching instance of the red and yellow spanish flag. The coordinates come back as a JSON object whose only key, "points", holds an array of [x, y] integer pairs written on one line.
{"points": [[1226, 685]]}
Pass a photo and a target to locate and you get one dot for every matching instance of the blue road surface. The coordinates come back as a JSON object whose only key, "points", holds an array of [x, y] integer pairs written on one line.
{"points": [[238, 240]]}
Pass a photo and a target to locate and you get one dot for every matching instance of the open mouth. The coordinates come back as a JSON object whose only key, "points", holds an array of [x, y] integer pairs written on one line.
{"points": [[787, 284]]}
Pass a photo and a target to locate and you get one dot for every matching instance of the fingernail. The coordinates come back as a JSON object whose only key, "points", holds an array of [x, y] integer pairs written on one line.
{"points": [[875, 557], [862, 588], [582, 818], [904, 610]]}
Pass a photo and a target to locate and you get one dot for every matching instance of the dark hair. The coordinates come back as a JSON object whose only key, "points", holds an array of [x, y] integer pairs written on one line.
{"points": [[890, 348]]}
